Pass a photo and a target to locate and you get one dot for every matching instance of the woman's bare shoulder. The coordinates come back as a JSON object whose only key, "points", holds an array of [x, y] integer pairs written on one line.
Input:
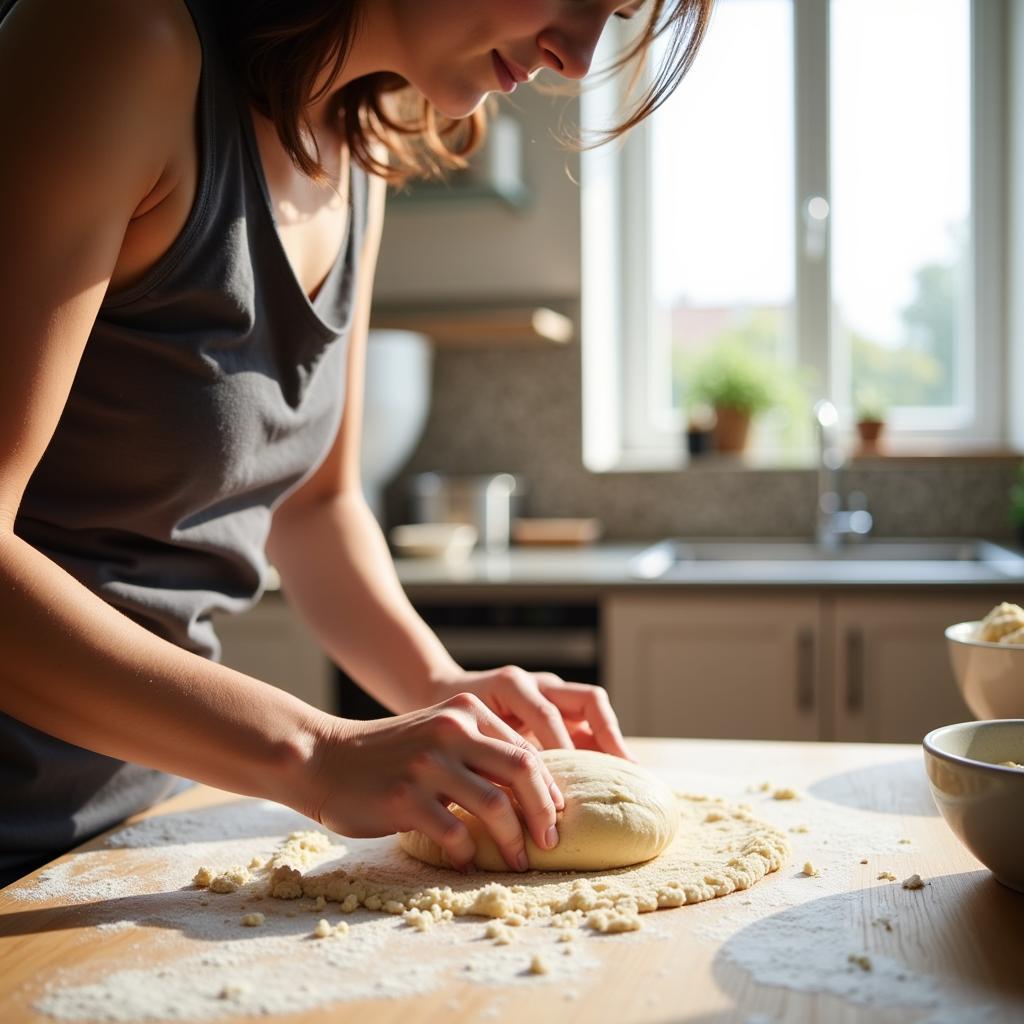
{"points": [[155, 39], [112, 78]]}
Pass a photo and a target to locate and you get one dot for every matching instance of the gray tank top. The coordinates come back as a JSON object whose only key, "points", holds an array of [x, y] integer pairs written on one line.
{"points": [[207, 392]]}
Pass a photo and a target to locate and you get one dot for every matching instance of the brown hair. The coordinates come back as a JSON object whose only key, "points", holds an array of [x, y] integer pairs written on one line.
{"points": [[280, 48]]}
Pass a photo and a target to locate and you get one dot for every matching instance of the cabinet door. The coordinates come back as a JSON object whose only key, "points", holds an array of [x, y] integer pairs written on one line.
{"points": [[272, 644], [893, 680], [714, 666]]}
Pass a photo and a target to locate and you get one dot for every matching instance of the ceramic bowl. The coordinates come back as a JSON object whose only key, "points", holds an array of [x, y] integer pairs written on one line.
{"points": [[990, 676], [451, 541], [981, 800]]}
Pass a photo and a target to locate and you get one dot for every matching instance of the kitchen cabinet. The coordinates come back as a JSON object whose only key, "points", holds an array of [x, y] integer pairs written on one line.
{"points": [[746, 667], [793, 663], [271, 643], [809, 665], [892, 680]]}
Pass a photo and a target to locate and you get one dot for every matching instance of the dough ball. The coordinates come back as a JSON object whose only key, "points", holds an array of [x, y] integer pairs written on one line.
{"points": [[1003, 619], [616, 814]]}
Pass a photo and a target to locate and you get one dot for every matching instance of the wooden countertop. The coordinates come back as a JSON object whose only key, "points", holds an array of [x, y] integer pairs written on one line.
{"points": [[951, 951]]}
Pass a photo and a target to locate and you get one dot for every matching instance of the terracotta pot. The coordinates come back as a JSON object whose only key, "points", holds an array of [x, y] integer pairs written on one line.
{"points": [[870, 431], [731, 429]]}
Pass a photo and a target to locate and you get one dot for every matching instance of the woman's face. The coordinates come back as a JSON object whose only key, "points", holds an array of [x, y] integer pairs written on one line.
{"points": [[455, 52]]}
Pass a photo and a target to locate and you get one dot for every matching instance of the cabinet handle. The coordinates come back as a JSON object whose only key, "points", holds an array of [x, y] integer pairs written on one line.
{"points": [[854, 670], [805, 670]]}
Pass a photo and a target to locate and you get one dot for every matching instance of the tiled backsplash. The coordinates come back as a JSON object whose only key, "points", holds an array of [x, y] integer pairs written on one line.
{"points": [[518, 410]]}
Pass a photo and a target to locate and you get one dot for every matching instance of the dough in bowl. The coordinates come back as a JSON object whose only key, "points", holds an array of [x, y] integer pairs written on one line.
{"points": [[616, 814]]}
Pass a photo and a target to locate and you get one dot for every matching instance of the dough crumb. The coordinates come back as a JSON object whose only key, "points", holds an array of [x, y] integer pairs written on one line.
{"points": [[256, 863], [227, 881], [324, 930], [863, 961], [538, 965], [418, 919], [253, 920], [914, 882], [905, 842], [863, 860], [233, 990], [515, 920], [810, 870], [800, 828], [611, 922], [785, 793], [885, 922], [500, 932], [320, 904], [886, 876], [1010, 764], [566, 936]]}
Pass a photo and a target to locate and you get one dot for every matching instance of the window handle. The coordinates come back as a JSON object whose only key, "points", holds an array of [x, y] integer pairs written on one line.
{"points": [[816, 211]]}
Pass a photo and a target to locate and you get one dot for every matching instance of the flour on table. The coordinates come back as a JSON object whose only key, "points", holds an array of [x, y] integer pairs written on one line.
{"points": [[203, 953]]}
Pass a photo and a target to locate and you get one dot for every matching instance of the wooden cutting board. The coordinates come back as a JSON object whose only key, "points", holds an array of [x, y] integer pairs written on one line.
{"points": [[779, 951]]}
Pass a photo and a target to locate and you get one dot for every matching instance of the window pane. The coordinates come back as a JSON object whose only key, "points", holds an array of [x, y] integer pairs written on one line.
{"points": [[722, 208], [900, 166]]}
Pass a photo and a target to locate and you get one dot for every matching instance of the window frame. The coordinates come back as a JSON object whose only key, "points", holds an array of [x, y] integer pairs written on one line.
{"points": [[619, 362]]}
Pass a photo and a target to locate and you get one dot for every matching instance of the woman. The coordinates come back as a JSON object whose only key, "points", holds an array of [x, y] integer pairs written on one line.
{"points": [[191, 198]]}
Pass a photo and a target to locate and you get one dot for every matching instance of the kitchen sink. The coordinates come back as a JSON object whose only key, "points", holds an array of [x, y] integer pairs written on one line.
{"points": [[678, 557]]}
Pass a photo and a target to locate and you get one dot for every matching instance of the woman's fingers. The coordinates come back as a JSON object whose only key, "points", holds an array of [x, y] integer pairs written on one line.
{"points": [[589, 703], [435, 821], [492, 725], [491, 804], [524, 700]]}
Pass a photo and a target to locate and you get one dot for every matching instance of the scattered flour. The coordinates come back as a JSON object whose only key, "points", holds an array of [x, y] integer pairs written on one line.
{"points": [[784, 933], [207, 966]]}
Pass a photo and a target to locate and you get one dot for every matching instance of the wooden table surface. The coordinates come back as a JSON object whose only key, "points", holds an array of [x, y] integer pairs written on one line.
{"points": [[950, 952]]}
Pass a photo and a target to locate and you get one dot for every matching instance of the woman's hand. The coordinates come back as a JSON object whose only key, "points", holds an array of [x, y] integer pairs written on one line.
{"points": [[547, 710], [397, 774]]}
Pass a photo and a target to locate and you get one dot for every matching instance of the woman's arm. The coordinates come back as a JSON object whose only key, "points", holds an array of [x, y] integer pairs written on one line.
{"points": [[333, 560], [336, 569]]}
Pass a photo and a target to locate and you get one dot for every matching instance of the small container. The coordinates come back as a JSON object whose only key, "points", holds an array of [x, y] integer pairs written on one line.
{"points": [[556, 532], [979, 793], [488, 502], [450, 541], [990, 676]]}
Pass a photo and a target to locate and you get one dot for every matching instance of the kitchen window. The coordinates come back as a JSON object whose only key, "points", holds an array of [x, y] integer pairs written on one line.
{"points": [[825, 190]]}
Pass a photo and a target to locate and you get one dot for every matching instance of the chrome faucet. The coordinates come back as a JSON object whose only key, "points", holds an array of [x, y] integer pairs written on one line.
{"points": [[834, 523]]}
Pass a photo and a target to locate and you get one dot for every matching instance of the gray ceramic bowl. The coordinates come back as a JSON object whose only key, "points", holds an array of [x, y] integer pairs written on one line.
{"points": [[990, 676], [982, 802]]}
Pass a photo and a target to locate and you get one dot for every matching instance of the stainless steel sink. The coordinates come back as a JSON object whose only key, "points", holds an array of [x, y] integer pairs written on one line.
{"points": [[886, 559]]}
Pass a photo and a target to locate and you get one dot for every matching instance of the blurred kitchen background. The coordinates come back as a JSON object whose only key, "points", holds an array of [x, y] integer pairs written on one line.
{"points": [[783, 309], [845, 220]]}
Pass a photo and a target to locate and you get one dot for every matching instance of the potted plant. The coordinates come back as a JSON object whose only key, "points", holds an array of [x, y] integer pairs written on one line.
{"points": [[1017, 504], [737, 385], [870, 411]]}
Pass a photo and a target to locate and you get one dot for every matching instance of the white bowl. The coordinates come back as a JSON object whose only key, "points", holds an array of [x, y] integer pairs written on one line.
{"points": [[990, 676], [982, 801], [451, 541]]}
